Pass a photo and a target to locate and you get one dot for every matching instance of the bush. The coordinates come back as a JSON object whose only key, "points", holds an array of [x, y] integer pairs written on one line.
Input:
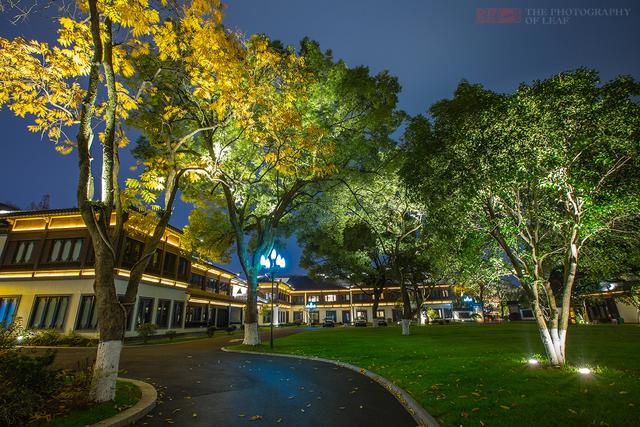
{"points": [[211, 330], [27, 384], [146, 330], [230, 329], [51, 337], [171, 334], [9, 334]]}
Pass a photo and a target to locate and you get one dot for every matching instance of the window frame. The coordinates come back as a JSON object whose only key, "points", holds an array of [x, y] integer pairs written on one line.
{"points": [[33, 311], [15, 311], [79, 313]]}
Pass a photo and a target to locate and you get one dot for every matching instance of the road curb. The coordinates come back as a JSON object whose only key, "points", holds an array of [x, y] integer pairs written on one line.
{"points": [[129, 416], [422, 417]]}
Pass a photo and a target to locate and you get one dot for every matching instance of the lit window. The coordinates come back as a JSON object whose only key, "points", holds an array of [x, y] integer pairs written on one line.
{"points": [[87, 313], [49, 312], [66, 250], [313, 298], [24, 251], [330, 298], [8, 306]]}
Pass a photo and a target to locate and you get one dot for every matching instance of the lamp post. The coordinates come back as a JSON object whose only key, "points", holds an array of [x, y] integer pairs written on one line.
{"points": [[270, 263]]}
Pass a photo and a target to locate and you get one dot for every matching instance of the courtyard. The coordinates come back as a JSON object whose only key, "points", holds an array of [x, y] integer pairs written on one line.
{"points": [[470, 374]]}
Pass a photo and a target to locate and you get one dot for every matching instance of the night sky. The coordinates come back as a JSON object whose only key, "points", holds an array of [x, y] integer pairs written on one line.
{"points": [[429, 45]]}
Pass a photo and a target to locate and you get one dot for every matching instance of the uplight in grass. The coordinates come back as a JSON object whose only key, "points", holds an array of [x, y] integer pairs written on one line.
{"points": [[532, 362], [584, 371]]}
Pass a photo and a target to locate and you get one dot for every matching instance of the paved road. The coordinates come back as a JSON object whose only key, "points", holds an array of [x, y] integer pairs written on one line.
{"points": [[200, 385]]}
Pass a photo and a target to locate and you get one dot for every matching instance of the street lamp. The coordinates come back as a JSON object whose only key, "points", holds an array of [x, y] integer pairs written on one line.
{"points": [[270, 263]]}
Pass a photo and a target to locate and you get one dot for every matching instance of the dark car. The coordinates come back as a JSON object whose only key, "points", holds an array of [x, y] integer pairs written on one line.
{"points": [[360, 322], [381, 322], [328, 323]]}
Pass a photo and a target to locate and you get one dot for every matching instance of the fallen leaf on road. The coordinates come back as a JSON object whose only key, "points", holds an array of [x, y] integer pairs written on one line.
{"points": [[279, 420], [255, 418], [505, 407]]}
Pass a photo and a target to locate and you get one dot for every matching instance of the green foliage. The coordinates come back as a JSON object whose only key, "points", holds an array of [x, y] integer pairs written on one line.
{"points": [[52, 337], [26, 383], [171, 334], [146, 330], [9, 334], [211, 330], [550, 172]]}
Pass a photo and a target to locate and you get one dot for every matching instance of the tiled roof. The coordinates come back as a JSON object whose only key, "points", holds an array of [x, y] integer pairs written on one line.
{"points": [[306, 283]]}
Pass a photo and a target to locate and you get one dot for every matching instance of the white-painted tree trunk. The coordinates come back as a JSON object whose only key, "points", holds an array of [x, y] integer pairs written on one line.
{"points": [[251, 336], [549, 346], [405, 326], [103, 386]]}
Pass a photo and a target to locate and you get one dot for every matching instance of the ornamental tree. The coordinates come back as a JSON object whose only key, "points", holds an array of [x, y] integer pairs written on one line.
{"points": [[83, 84], [543, 171], [310, 120]]}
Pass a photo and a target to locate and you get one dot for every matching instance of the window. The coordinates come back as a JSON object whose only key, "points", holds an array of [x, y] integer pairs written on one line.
{"points": [[361, 314], [361, 297], [330, 298], [331, 315], [197, 281], [178, 309], [297, 316], [49, 312], [162, 313], [343, 297], [8, 307], [196, 315], [266, 316], [87, 313], [65, 250], [212, 285], [145, 309], [223, 288], [380, 314], [183, 267], [346, 316], [130, 317], [313, 298], [132, 252], [298, 300], [169, 263], [154, 262], [24, 251]]}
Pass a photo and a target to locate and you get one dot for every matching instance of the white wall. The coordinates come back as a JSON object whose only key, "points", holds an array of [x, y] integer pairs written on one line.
{"points": [[629, 313]]}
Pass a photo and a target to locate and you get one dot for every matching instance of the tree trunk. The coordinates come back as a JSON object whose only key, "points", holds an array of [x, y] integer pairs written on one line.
{"points": [[406, 323], [377, 291], [110, 328], [251, 336]]}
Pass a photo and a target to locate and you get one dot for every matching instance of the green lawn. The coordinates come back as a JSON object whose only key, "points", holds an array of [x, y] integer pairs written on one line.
{"points": [[127, 395], [470, 374]]}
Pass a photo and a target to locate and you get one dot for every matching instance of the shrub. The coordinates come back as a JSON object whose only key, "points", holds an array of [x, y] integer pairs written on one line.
{"points": [[230, 329], [51, 337], [211, 330], [171, 334], [45, 337], [27, 384], [9, 334], [146, 330]]}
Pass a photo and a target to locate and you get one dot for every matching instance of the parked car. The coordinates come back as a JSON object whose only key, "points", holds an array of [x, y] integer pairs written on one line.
{"points": [[328, 323], [381, 322], [360, 322]]}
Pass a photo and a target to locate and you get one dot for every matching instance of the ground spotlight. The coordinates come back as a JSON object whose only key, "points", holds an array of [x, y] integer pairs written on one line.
{"points": [[532, 361], [584, 371]]}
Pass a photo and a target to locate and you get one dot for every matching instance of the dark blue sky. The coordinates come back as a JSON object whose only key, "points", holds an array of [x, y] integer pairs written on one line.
{"points": [[430, 45]]}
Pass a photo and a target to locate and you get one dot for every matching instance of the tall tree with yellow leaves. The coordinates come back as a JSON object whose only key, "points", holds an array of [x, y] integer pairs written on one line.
{"points": [[81, 84]]}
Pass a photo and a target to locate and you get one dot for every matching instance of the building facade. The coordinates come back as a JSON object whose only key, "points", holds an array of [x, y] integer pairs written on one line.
{"points": [[47, 269], [300, 299]]}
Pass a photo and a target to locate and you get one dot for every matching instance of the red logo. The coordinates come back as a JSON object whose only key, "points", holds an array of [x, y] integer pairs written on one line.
{"points": [[498, 15]]}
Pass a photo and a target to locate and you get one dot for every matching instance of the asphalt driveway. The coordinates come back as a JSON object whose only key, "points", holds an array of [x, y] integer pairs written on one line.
{"points": [[200, 385]]}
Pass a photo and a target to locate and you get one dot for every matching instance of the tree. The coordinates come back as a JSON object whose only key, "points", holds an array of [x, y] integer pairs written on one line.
{"points": [[368, 231], [313, 119], [82, 83], [543, 171]]}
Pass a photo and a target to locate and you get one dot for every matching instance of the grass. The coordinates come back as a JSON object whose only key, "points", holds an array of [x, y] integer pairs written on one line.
{"points": [[470, 374], [127, 395]]}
